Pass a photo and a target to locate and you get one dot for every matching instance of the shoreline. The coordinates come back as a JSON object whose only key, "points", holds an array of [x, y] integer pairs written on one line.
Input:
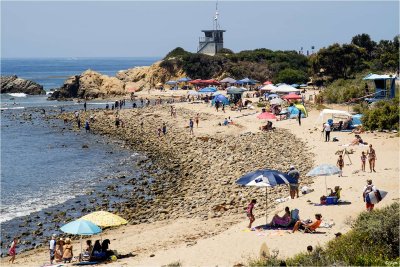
{"points": [[209, 139]]}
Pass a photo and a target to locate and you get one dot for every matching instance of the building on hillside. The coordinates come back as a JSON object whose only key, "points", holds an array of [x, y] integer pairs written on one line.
{"points": [[213, 40]]}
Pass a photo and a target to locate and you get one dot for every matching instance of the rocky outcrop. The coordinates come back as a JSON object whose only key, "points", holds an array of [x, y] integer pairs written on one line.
{"points": [[90, 84], [13, 84], [148, 76]]}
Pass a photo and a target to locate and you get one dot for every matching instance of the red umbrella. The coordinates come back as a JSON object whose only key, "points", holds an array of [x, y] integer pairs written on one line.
{"points": [[291, 96], [197, 81], [266, 116], [211, 82], [267, 82]]}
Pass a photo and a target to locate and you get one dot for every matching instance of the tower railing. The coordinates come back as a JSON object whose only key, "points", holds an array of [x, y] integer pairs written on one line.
{"points": [[206, 39]]}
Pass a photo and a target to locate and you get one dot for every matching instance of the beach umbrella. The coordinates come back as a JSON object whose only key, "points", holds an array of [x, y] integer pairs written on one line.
{"points": [[81, 227], [266, 116], [104, 219], [208, 90], [267, 82], [228, 80], [276, 101], [292, 96], [193, 92], [324, 170], [303, 85], [216, 93], [265, 178], [295, 85], [184, 79], [232, 90], [221, 98], [171, 82]]}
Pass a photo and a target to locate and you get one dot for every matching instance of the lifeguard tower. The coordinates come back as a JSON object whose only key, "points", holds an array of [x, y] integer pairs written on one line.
{"points": [[213, 40], [384, 86]]}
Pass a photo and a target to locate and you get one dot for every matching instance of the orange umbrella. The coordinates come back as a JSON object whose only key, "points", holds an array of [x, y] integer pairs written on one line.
{"points": [[266, 116], [267, 82]]}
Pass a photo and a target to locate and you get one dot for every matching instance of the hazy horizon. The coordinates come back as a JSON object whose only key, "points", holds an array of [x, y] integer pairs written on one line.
{"points": [[134, 29]]}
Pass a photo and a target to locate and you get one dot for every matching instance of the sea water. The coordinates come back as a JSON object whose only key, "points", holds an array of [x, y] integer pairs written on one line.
{"points": [[42, 166]]}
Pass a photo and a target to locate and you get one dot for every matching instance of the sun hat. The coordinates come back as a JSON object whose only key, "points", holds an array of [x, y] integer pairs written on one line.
{"points": [[67, 240], [291, 166]]}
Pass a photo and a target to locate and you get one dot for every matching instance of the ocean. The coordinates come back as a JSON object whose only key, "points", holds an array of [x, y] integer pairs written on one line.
{"points": [[51, 73], [43, 162]]}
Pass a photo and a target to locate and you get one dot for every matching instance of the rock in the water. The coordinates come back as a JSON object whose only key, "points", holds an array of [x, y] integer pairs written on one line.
{"points": [[13, 84]]}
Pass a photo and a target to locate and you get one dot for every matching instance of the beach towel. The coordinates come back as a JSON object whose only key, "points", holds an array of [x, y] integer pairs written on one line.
{"points": [[85, 263]]}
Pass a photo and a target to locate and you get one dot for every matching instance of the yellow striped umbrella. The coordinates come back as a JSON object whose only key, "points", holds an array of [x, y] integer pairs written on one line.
{"points": [[104, 219]]}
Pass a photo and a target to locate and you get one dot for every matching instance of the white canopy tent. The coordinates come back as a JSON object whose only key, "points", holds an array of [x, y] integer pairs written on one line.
{"points": [[333, 113], [268, 87], [284, 88]]}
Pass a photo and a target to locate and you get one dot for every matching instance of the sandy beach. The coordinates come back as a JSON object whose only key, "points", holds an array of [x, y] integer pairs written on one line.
{"points": [[199, 219]]}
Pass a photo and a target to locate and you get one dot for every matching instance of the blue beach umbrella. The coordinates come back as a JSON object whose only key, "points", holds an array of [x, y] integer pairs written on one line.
{"points": [[324, 170], [81, 227], [265, 178], [221, 98], [184, 79], [208, 90], [171, 82]]}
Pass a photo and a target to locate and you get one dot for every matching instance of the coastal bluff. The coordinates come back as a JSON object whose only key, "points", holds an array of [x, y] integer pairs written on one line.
{"points": [[13, 84], [91, 84]]}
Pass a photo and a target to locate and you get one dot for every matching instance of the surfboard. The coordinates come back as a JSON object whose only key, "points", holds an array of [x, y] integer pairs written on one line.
{"points": [[376, 197]]}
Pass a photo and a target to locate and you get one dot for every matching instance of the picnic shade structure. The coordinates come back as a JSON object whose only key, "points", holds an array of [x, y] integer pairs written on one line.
{"points": [[228, 80], [81, 227], [265, 178], [295, 85], [208, 90], [324, 170], [284, 88], [266, 116], [233, 90], [268, 87], [104, 219]]}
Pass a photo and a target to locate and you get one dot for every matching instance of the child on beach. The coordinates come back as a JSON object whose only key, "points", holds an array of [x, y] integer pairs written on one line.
{"points": [[340, 164], [191, 126], [363, 160], [197, 119], [12, 251], [249, 212], [159, 132]]}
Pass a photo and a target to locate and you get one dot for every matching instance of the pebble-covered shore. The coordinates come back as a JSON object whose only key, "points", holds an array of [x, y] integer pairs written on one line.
{"points": [[194, 176]]}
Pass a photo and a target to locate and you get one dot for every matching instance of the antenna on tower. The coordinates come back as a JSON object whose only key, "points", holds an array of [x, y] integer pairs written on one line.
{"points": [[216, 24]]}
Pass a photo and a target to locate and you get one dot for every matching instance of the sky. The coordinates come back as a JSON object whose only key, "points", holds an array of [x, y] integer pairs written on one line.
{"points": [[153, 28]]}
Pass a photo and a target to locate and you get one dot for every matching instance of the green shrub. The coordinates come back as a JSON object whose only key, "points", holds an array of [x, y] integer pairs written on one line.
{"points": [[373, 241], [341, 90], [382, 115], [291, 76]]}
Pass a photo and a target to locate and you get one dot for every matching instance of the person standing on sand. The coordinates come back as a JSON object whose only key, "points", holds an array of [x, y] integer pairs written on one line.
{"points": [[327, 129], [363, 160], [141, 101], [191, 126], [78, 121], [84, 105], [368, 189], [52, 248], [164, 128], [294, 187], [340, 164], [249, 212], [299, 117], [371, 158], [197, 119], [13, 250], [172, 111]]}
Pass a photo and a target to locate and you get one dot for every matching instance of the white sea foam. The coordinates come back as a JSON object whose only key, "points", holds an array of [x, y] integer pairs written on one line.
{"points": [[18, 94], [31, 205], [12, 108]]}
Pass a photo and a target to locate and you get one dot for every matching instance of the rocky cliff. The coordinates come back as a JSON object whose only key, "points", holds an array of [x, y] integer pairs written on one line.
{"points": [[90, 84], [13, 84]]}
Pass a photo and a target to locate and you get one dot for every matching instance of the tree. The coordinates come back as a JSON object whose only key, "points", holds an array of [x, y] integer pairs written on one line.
{"points": [[364, 41], [291, 76]]}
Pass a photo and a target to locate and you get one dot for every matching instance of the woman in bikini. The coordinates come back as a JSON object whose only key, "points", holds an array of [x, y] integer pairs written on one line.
{"points": [[371, 158]]}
